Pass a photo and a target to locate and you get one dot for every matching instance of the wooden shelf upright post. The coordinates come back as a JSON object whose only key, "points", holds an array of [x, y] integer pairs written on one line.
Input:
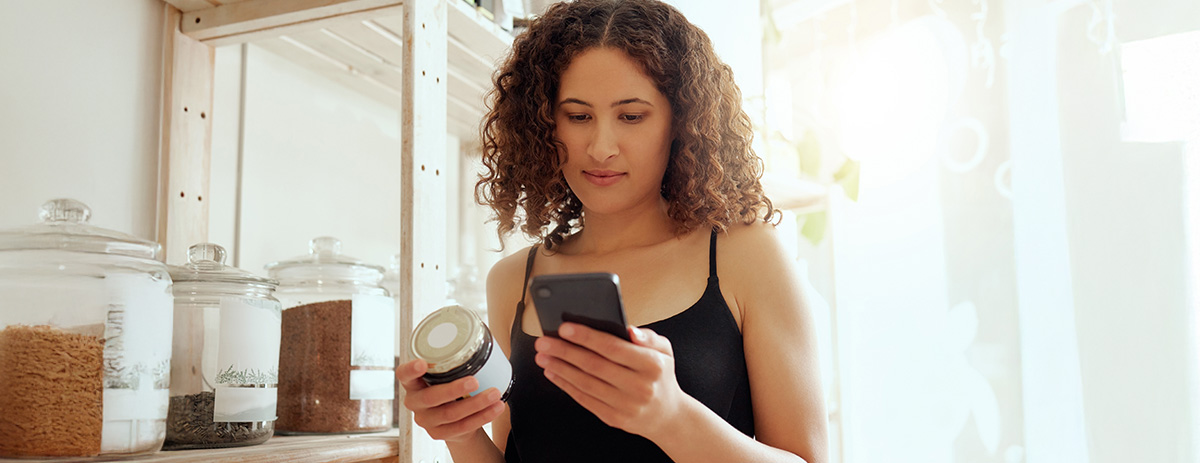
{"points": [[185, 149], [423, 181]]}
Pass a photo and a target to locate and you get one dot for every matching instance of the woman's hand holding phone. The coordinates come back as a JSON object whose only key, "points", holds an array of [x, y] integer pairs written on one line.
{"points": [[438, 408], [628, 385]]}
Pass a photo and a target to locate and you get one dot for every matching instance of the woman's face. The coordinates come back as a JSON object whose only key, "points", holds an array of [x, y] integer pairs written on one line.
{"points": [[616, 127]]}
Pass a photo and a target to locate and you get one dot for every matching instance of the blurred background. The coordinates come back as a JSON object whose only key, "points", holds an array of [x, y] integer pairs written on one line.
{"points": [[995, 203], [1007, 246]]}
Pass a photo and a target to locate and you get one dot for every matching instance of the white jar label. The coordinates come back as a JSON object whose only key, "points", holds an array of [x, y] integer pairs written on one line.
{"points": [[247, 368], [372, 340], [137, 332], [244, 404], [372, 384], [496, 372], [133, 419], [372, 331]]}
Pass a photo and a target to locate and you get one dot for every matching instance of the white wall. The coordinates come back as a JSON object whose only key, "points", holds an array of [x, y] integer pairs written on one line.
{"points": [[79, 109], [317, 159]]}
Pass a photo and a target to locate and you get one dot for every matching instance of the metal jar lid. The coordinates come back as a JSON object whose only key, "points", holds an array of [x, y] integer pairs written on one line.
{"points": [[447, 338]]}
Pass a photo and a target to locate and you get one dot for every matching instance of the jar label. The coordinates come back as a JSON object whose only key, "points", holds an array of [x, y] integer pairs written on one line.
{"points": [[496, 372], [247, 369], [372, 331], [244, 404], [372, 340], [137, 332], [133, 419]]}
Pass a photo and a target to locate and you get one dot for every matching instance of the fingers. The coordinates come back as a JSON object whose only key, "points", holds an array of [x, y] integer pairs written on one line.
{"points": [[598, 407], [458, 417], [433, 396], [586, 379], [442, 409], [631, 355], [469, 423], [410, 374], [648, 338]]}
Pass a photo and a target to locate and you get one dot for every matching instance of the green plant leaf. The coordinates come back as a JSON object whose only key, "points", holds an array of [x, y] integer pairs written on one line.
{"points": [[814, 226], [847, 176]]}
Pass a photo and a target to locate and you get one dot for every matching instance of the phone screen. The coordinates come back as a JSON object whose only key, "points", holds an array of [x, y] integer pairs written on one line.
{"points": [[591, 299]]}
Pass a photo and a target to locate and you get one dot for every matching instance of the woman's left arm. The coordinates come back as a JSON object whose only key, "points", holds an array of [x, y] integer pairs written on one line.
{"points": [[780, 340], [632, 386]]}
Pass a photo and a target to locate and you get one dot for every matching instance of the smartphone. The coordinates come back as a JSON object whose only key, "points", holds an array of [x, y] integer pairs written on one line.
{"points": [[590, 299]]}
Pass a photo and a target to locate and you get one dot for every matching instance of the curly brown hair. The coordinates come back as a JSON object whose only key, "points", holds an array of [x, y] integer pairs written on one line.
{"points": [[712, 176]]}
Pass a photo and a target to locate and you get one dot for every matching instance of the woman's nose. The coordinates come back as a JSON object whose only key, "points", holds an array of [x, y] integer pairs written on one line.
{"points": [[604, 142]]}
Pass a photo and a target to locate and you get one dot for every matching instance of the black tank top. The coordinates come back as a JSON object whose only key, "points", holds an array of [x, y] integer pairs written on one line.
{"points": [[710, 365]]}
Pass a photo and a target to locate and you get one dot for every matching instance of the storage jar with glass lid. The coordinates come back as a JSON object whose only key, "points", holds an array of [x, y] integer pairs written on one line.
{"points": [[225, 354], [85, 339], [336, 363]]}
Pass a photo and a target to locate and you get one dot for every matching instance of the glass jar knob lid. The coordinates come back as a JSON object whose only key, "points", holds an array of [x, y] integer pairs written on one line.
{"points": [[206, 253], [63, 225], [325, 246], [206, 263], [64, 210]]}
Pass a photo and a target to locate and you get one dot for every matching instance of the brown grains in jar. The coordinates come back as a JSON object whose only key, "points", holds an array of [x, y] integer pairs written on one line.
{"points": [[53, 392], [314, 375], [190, 425]]}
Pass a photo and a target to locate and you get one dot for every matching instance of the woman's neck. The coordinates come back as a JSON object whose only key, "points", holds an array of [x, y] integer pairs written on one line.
{"points": [[606, 233]]}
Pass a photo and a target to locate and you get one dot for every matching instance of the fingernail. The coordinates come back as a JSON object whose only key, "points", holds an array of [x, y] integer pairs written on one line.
{"points": [[493, 395], [540, 359], [566, 330], [470, 385]]}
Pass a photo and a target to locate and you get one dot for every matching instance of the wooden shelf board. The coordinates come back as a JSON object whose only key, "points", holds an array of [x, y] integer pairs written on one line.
{"points": [[348, 448]]}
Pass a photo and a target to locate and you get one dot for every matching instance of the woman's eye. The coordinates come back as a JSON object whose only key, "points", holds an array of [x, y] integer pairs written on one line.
{"points": [[631, 117], [578, 117]]}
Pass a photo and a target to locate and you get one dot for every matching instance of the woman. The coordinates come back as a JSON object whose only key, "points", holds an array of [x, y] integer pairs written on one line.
{"points": [[619, 135]]}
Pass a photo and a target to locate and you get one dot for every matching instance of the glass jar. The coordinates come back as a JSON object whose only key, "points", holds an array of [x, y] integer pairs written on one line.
{"points": [[225, 354], [85, 339], [336, 362], [456, 343]]}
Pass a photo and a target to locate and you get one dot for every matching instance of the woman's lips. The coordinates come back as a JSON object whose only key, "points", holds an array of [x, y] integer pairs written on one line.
{"points": [[603, 177]]}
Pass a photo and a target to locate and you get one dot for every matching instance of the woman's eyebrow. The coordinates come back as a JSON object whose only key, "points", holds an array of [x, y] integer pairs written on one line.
{"points": [[574, 100], [632, 100], [619, 103]]}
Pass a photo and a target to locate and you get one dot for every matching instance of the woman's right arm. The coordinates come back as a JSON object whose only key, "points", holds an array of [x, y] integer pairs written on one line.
{"points": [[459, 423]]}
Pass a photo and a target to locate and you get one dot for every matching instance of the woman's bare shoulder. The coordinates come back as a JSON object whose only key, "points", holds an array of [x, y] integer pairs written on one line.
{"points": [[505, 283], [755, 244], [509, 267]]}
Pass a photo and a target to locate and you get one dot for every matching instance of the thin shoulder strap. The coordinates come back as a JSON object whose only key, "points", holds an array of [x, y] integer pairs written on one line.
{"points": [[712, 255], [525, 282]]}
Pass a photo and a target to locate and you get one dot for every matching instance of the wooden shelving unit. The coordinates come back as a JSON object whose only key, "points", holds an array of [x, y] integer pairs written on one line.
{"points": [[432, 59]]}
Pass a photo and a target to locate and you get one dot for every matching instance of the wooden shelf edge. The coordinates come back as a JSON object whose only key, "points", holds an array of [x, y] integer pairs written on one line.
{"points": [[346, 448], [342, 448]]}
